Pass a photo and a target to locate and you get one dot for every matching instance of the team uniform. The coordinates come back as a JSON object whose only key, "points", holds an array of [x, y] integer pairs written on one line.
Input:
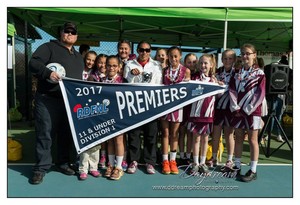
{"points": [[201, 116], [171, 77], [223, 114], [247, 91], [97, 75], [86, 74], [187, 108]]}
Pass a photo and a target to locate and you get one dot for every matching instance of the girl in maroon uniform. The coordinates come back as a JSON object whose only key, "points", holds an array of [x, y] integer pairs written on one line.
{"points": [[115, 146], [190, 61], [202, 115], [223, 113], [175, 73], [98, 73], [247, 91]]}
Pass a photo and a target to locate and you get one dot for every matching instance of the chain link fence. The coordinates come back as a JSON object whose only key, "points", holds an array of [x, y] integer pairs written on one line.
{"points": [[25, 83]]}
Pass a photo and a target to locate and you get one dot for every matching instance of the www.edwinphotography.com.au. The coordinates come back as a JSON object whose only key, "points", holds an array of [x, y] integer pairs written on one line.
{"points": [[195, 188]]}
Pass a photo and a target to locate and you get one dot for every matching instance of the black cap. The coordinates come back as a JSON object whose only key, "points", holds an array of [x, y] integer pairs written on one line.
{"points": [[69, 25]]}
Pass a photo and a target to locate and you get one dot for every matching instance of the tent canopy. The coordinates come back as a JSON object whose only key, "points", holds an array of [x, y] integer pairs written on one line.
{"points": [[11, 30], [19, 25], [269, 29]]}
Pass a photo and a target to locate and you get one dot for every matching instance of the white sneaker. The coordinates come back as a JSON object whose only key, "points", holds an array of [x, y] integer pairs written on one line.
{"points": [[150, 169], [132, 167], [279, 138]]}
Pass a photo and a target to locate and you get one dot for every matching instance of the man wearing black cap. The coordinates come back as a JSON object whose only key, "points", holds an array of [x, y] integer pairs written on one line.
{"points": [[50, 115]]}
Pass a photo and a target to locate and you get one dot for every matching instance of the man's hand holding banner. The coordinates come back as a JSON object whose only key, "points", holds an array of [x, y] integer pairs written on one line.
{"points": [[100, 111]]}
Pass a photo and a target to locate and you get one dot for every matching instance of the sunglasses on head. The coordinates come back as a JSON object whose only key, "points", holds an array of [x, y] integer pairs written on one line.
{"points": [[144, 49], [73, 32]]}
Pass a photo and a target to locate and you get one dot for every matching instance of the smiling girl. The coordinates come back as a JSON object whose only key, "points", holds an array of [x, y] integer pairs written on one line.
{"points": [[170, 123], [200, 121]]}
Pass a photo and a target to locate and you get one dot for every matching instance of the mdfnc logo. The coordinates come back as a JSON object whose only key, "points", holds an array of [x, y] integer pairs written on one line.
{"points": [[91, 110]]}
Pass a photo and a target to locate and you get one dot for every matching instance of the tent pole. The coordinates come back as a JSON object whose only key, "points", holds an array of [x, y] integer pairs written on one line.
{"points": [[225, 30], [14, 72]]}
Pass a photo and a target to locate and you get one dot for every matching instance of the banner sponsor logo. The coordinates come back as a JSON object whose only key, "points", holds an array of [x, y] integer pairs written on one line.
{"points": [[99, 111]]}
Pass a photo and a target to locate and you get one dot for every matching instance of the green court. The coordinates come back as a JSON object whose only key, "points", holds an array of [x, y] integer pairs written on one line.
{"points": [[275, 178], [272, 181]]}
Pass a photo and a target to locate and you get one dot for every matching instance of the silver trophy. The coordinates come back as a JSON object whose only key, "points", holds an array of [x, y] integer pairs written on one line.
{"points": [[147, 76]]}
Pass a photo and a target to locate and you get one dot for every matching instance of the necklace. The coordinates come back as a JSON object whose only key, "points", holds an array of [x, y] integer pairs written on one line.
{"points": [[173, 77]]}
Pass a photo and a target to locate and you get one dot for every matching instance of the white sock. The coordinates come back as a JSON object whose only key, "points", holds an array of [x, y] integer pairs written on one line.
{"points": [[164, 157], [196, 160], [229, 157], [103, 153], [214, 155], [202, 159], [181, 154], [253, 165], [119, 161], [111, 160], [173, 156], [188, 155], [237, 162]]}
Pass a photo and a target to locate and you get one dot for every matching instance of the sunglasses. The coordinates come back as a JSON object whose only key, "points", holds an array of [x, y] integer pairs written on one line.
{"points": [[142, 50], [67, 31]]}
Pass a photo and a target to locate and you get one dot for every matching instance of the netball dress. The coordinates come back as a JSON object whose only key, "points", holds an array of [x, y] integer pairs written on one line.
{"points": [[247, 91], [172, 76], [202, 112]]}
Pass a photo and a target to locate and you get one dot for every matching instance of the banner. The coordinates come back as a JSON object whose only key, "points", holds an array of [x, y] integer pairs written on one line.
{"points": [[100, 111]]}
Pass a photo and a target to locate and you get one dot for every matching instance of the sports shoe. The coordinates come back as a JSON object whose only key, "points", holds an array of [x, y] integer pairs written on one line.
{"points": [[203, 169], [116, 174], [237, 170], [108, 172], [279, 138], [83, 176], [65, 169], [173, 167], [212, 163], [132, 167], [166, 167], [102, 162], [249, 176], [124, 165], [37, 178], [227, 167], [95, 173], [184, 161], [150, 169], [195, 169]]}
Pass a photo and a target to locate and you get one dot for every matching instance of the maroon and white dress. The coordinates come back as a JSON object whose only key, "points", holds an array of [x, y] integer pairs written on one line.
{"points": [[98, 76], [170, 77], [223, 113], [247, 91], [201, 116], [187, 108]]}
